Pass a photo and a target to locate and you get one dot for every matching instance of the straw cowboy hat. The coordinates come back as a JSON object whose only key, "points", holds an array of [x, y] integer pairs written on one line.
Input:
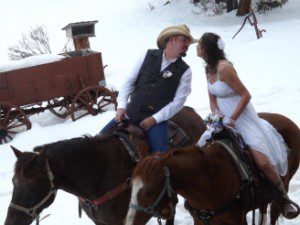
{"points": [[173, 31]]}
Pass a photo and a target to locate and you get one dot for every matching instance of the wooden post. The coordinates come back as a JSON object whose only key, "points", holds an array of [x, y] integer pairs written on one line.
{"points": [[254, 23], [81, 43], [244, 7], [231, 5]]}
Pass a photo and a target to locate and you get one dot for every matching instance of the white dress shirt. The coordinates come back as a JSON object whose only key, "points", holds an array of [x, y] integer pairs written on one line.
{"points": [[183, 90]]}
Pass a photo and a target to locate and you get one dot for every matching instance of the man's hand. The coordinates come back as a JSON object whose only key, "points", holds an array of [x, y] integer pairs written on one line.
{"points": [[147, 123], [121, 113]]}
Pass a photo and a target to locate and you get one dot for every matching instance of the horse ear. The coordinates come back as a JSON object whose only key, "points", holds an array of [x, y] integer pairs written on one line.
{"points": [[17, 152]]}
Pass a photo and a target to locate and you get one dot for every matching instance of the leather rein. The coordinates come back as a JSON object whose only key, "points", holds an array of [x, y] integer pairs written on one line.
{"points": [[108, 195], [120, 188]]}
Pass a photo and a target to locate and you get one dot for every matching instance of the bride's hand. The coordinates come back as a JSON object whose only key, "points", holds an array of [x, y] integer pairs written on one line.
{"points": [[229, 122]]}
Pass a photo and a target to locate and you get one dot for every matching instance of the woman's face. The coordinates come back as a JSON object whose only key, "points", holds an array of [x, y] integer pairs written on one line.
{"points": [[200, 52]]}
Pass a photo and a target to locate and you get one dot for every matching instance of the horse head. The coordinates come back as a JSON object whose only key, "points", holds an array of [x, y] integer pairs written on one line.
{"points": [[33, 188], [152, 194]]}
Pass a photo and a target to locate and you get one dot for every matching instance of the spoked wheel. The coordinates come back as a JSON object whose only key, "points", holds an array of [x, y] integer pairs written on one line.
{"points": [[92, 100], [60, 107], [12, 121]]}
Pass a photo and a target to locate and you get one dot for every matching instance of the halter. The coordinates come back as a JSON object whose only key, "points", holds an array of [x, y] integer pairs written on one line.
{"points": [[171, 194], [32, 211]]}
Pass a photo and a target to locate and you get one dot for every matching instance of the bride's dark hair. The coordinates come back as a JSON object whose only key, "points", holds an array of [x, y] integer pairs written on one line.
{"points": [[211, 51]]}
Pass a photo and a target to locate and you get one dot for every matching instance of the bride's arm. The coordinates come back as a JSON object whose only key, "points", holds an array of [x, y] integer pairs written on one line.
{"points": [[229, 76]]}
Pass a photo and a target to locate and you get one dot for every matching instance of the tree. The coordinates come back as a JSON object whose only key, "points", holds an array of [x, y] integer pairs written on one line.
{"points": [[36, 42], [244, 7], [231, 5], [263, 6]]}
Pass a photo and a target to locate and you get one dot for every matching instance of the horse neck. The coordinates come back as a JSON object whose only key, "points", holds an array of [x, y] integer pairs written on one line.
{"points": [[205, 182], [95, 173]]}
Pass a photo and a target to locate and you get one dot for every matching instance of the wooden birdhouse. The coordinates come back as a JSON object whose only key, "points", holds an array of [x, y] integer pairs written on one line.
{"points": [[80, 33]]}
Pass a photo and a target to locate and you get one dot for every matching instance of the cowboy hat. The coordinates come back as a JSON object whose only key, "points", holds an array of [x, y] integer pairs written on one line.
{"points": [[171, 32]]}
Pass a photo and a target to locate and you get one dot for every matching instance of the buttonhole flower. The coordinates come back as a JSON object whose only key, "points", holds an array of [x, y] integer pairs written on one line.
{"points": [[167, 74]]}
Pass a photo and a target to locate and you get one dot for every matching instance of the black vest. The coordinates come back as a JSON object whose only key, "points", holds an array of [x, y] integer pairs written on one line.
{"points": [[152, 91]]}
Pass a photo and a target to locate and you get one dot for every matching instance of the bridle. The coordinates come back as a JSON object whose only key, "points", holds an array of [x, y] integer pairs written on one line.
{"points": [[33, 210], [166, 189]]}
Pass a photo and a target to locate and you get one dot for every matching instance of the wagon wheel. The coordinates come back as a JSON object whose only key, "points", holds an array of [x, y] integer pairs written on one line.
{"points": [[92, 100], [12, 121], [60, 107]]}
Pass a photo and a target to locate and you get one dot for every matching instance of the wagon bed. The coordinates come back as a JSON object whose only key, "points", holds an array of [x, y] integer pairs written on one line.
{"points": [[66, 87], [47, 81]]}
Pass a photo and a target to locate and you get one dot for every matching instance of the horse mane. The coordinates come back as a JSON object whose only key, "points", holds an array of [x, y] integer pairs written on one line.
{"points": [[68, 150], [64, 153], [209, 154], [80, 150], [209, 157], [146, 165]]}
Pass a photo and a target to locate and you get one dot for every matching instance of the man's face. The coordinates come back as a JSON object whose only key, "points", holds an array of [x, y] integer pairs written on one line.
{"points": [[180, 45]]}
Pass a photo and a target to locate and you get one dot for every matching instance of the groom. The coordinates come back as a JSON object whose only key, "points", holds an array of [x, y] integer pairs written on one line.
{"points": [[158, 87]]}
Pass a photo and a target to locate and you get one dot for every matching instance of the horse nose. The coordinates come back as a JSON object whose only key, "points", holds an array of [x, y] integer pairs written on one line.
{"points": [[16, 218]]}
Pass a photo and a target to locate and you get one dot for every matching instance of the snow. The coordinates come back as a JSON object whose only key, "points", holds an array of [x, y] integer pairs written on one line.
{"points": [[269, 67], [30, 61]]}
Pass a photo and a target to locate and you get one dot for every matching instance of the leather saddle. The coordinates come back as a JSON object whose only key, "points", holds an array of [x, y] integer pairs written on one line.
{"points": [[135, 142], [235, 145], [237, 148]]}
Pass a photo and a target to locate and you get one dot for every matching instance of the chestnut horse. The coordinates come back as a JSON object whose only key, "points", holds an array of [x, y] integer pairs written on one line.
{"points": [[86, 167], [209, 181]]}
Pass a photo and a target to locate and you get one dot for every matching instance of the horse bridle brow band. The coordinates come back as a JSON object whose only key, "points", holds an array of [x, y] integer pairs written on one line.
{"points": [[32, 211]]}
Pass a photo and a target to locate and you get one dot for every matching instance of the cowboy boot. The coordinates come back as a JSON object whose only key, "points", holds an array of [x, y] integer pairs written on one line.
{"points": [[288, 211]]}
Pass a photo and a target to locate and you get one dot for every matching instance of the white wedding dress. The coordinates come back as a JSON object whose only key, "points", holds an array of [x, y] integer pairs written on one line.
{"points": [[257, 133]]}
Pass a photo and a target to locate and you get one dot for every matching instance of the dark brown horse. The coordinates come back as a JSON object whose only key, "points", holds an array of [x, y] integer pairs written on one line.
{"points": [[87, 167], [208, 179]]}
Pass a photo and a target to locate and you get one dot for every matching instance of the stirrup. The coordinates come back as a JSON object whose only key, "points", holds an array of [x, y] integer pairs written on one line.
{"points": [[291, 214]]}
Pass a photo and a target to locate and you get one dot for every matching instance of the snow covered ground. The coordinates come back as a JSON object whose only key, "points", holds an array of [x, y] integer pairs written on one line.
{"points": [[269, 67]]}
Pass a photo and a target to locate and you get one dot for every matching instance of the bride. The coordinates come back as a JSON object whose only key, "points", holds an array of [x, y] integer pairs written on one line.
{"points": [[228, 95]]}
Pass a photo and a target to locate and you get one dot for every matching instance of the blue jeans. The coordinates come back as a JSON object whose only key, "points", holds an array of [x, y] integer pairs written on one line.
{"points": [[156, 135]]}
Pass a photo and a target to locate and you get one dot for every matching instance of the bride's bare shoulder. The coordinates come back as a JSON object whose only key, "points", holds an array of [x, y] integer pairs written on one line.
{"points": [[226, 70]]}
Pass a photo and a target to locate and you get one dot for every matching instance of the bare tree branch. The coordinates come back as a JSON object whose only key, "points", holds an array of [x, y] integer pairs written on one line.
{"points": [[36, 42]]}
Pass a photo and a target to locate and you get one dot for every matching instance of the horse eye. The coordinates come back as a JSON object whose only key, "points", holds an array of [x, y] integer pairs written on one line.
{"points": [[149, 193], [15, 181]]}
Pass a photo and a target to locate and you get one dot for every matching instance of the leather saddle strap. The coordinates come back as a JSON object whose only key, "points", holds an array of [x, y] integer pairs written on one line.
{"points": [[112, 193], [243, 168]]}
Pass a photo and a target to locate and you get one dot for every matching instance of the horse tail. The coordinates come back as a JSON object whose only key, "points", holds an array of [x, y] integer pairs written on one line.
{"points": [[293, 142], [291, 135]]}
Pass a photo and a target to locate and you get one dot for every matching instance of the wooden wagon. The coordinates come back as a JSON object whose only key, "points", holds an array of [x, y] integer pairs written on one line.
{"points": [[69, 87]]}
